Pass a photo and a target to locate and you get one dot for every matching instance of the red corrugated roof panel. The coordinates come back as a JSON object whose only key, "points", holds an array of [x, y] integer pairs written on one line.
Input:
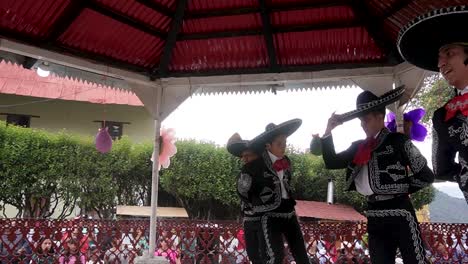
{"points": [[171, 4], [225, 53], [342, 39], [102, 35], [379, 7], [276, 3], [30, 17], [321, 210], [224, 23], [326, 46], [313, 16], [205, 5], [139, 12]]}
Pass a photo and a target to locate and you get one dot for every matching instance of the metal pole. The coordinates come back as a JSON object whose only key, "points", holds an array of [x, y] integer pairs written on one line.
{"points": [[399, 119], [398, 109], [330, 191], [155, 176]]}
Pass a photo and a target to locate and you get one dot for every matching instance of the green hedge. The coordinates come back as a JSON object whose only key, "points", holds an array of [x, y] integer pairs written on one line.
{"points": [[36, 165]]}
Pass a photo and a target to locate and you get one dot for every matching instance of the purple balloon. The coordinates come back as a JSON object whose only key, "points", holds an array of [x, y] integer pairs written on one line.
{"points": [[415, 115], [418, 131], [103, 141]]}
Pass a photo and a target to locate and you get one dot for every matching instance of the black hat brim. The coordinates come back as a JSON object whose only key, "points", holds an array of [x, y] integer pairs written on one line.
{"points": [[236, 148], [420, 40], [382, 101], [286, 128]]}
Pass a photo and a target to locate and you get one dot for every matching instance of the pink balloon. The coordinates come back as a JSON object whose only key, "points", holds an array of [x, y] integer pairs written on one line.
{"points": [[103, 141], [167, 149]]}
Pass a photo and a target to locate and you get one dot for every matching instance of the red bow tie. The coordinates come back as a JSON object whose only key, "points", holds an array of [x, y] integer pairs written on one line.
{"points": [[458, 103], [363, 154], [281, 164]]}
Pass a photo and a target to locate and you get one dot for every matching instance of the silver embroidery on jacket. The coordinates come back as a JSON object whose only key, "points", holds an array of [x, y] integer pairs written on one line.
{"points": [[461, 132], [397, 167], [244, 183], [416, 159], [375, 173]]}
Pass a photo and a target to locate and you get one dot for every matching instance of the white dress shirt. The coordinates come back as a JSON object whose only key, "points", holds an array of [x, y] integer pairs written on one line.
{"points": [[464, 91], [284, 193], [362, 179]]}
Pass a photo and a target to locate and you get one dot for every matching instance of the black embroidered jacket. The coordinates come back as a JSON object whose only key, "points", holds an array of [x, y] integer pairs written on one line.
{"points": [[396, 166], [449, 138], [259, 187]]}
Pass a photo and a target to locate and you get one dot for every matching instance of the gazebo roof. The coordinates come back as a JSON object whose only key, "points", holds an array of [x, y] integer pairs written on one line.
{"points": [[169, 38], [167, 50]]}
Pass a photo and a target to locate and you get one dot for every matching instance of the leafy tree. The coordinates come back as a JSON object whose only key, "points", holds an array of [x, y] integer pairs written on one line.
{"points": [[120, 177], [203, 178], [433, 95], [352, 198], [98, 187], [310, 179], [33, 173], [43, 173], [423, 197], [136, 189]]}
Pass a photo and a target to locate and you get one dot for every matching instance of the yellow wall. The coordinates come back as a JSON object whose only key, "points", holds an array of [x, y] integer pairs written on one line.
{"points": [[78, 117], [423, 214]]}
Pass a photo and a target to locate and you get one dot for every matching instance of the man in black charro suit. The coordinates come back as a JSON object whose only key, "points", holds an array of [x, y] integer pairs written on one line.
{"points": [[385, 167], [431, 42], [264, 188]]}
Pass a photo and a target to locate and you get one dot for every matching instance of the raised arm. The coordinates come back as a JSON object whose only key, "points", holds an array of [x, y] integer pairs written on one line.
{"points": [[335, 160]]}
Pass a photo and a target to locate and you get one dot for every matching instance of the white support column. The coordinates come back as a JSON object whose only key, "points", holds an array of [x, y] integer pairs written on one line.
{"points": [[150, 258], [172, 96], [155, 174]]}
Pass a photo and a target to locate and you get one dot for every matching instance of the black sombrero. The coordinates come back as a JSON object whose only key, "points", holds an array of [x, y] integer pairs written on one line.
{"points": [[272, 131], [236, 145], [420, 40], [371, 102]]}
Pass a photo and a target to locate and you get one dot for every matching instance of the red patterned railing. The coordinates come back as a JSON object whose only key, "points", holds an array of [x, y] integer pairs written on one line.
{"points": [[98, 241]]}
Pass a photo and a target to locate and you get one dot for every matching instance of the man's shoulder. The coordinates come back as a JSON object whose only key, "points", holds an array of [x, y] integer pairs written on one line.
{"points": [[439, 113]]}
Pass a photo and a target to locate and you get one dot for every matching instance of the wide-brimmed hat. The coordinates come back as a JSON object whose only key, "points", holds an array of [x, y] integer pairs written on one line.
{"points": [[368, 102], [420, 40], [236, 145], [272, 131]]}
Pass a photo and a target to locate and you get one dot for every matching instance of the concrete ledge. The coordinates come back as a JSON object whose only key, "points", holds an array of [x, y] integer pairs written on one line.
{"points": [[145, 259]]}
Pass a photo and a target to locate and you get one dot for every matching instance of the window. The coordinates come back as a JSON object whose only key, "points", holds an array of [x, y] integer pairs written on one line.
{"points": [[115, 128], [18, 120]]}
